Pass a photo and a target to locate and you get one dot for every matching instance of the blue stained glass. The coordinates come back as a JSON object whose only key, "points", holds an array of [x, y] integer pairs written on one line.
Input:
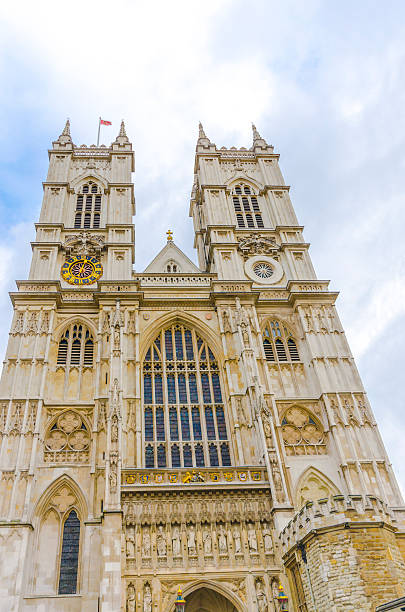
{"points": [[174, 428], [185, 423], [147, 389], [206, 388], [210, 355], [156, 356], [213, 455], [182, 388], [192, 384], [199, 343], [147, 356], [196, 423], [158, 389], [149, 456], [171, 389], [226, 459], [187, 456], [221, 423], [148, 424], [209, 422], [217, 388], [161, 456], [160, 424], [203, 355], [189, 344], [69, 559], [179, 344], [175, 456], [157, 342], [169, 344], [199, 455]]}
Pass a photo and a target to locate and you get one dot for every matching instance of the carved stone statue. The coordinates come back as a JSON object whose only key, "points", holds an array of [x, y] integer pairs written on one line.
{"points": [[176, 541], [227, 324], [252, 539], [114, 428], [161, 542], [147, 598], [207, 541], [267, 539], [261, 597], [236, 539], [222, 541], [191, 539], [146, 543], [130, 541], [131, 598]]}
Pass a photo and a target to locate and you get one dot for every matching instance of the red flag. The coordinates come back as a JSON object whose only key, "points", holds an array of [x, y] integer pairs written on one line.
{"points": [[102, 122]]}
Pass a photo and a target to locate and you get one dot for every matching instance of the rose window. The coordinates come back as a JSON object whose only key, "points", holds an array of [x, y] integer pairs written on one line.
{"points": [[263, 270], [68, 439], [302, 435]]}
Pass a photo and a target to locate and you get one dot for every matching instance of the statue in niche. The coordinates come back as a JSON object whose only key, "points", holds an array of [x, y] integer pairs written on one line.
{"points": [[147, 598], [131, 598], [130, 541], [236, 539], [191, 540], [114, 428], [207, 540], [267, 539], [116, 337], [176, 541], [222, 542], [261, 597], [252, 539], [146, 543], [161, 542], [113, 478]]}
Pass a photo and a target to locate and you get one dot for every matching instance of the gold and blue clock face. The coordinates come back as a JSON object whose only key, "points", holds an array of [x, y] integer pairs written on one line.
{"points": [[84, 270]]}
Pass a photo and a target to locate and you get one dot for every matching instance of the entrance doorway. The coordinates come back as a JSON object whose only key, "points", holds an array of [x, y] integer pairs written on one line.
{"points": [[207, 600]]}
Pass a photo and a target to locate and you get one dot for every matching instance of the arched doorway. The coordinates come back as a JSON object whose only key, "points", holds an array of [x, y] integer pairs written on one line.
{"points": [[208, 600]]}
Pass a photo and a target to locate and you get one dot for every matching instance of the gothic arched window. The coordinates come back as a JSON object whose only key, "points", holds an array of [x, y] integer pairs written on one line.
{"points": [[76, 347], [88, 206], [184, 415], [278, 343], [246, 207]]}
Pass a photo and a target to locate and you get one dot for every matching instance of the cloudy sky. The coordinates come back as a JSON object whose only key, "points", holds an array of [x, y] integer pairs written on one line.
{"points": [[323, 81]]}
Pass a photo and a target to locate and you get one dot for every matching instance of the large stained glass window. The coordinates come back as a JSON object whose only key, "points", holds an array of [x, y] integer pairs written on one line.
{"points": [[184, 415]]}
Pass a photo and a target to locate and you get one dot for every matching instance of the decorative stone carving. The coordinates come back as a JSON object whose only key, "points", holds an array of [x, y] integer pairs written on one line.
{"points": [[226, 322], [19, 324], [252, 538], [222, 540], [207, 540], [63, 499], [236, 539], [191, 540], [130, 545], [161, 542], [258, 244], [113, 474], [67, 440], [45, 323], [147, 598], [83, 243], [32, 323], [267, 539], [302, 434], [261, 596], [146, 543], [131, 598], [176, 541], [106, 327]]}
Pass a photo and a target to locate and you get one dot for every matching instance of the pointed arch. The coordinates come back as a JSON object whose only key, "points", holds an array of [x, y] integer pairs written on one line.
{"points": [[279, 342], [242, 177], [76, 343], [245, 199], [302, 431], [47, 501], [80, 319], [76, 183], [183, 401], [212, 586], [313, 485]]}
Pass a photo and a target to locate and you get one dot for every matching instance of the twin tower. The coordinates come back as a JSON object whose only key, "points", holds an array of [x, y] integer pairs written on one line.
{"points": [[195, 427]]}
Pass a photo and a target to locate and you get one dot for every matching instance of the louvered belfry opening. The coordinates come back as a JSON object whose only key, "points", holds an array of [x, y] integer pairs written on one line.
{"points": [[88, 207], [76, 347], [184, 415], [279, 343], [246, 207]]}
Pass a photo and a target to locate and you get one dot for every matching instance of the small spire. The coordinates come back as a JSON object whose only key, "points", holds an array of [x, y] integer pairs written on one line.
{"points": [[201, 133], [258, 140], [65, 138], [122, 129], [122, 137], [256, 135], [66, 129]]}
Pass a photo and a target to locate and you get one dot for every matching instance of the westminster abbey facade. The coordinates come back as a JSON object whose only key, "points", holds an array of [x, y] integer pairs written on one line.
{"points": [[195, 427]]}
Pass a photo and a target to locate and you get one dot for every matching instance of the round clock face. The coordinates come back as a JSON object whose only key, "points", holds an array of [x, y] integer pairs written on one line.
{"points": [[83, 270]]}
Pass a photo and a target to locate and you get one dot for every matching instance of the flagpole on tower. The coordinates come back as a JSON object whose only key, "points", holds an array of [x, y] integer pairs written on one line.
{"points": [[98, 134]]}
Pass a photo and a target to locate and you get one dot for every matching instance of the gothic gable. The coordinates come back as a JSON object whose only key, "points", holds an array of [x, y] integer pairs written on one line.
{"points": [[171, 256]]}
